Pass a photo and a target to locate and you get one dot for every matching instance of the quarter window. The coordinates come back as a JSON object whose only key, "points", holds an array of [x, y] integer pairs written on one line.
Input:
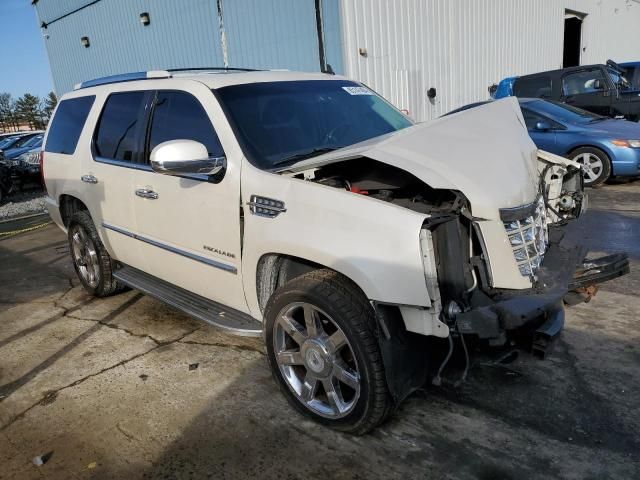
{"points": [[535, 87], [179, 116], [582, 82], [67, 125], [117, 135]]}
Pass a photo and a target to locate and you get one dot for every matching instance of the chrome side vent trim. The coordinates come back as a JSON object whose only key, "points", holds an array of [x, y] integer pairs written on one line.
{"points": [[266, 207]]}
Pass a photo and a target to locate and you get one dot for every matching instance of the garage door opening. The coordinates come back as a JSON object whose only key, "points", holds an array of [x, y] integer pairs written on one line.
{"points": [[572, 39]]}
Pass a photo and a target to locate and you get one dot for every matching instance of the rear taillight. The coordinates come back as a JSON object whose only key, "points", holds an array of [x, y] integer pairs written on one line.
{"points": [[42, 170]]}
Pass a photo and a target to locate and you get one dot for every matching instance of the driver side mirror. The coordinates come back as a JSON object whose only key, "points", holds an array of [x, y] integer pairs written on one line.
{"points": [[543, 126], [598, 84], [185, 157]]}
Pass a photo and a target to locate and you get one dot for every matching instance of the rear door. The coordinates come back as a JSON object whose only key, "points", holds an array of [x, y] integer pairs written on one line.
{"points": [[108, 176], [189, 229], [579, 88]]}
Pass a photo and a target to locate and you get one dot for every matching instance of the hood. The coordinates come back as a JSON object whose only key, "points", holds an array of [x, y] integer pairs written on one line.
{"points": [[485, 153], [617, 128]]}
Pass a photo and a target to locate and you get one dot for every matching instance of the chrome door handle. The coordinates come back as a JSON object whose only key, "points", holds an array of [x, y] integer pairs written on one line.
{"points": [[146, 193], [89, 179]]}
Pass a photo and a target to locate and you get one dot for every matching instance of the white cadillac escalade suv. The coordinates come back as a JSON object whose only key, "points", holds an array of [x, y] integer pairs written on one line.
{"points": [[368, 251]]}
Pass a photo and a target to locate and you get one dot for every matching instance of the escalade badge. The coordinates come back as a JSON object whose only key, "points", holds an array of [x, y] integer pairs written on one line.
{"points": [[219, 252]]}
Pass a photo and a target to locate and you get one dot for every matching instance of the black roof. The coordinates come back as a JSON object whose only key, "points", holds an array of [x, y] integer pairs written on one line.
{"points": [[561, 71]]}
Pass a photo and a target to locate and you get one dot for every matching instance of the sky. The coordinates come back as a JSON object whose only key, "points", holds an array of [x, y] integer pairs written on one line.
{"points": [[24, 66]]}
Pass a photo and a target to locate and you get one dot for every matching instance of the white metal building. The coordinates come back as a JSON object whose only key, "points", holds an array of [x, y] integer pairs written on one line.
{"points": [[400, 48]]}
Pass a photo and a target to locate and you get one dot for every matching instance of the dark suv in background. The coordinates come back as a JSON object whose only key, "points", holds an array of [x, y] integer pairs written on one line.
{"points": [[601, 89]]}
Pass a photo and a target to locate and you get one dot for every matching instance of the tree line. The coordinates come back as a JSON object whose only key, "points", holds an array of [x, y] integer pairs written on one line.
{"points": [[28, 110]]}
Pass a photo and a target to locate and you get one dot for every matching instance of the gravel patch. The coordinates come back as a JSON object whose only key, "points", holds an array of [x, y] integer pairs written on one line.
{"points": [[22, 203]]}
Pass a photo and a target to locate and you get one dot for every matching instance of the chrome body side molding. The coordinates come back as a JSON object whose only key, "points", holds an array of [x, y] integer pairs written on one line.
{"points": [[209, 261]]}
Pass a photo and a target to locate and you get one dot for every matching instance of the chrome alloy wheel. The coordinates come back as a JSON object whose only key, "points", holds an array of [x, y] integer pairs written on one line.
{"points": [[591, 166], [85, 256], [316, 360]]}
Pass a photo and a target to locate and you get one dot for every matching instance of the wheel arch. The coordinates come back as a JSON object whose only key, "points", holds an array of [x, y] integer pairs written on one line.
{"points": [[69, 205], [275, 269]]}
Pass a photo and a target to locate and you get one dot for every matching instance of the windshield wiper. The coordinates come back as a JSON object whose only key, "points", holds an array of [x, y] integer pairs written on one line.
{"points": [[304, 155]]}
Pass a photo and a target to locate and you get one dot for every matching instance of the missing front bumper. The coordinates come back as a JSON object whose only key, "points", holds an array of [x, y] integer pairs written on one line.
{"points": [[534, 320]]}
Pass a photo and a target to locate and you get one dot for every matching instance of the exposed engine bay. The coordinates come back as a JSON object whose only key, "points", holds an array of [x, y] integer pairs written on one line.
{"points": [[385, 182], [561, 187]]}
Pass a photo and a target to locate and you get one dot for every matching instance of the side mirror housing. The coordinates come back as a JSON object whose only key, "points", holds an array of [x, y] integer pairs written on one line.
{"points": [[598, 84], [543, 126], [185, 157]]}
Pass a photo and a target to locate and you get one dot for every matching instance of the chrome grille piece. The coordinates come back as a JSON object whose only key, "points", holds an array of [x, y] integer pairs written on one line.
{"points": [[528, 237]]}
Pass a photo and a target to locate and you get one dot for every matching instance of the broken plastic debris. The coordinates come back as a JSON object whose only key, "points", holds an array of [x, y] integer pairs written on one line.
{"points": [[193, 366], [92, 465], [42, 459], [144, 376]]}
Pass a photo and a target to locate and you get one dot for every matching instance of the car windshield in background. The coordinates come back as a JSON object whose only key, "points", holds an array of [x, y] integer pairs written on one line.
{"points": [[33, 141], [563, 112], [280, 123], [22, 141], [7, 141]]}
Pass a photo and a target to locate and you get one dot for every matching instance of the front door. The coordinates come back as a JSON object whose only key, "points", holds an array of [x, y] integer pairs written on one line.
{"points": [[544, 139], [189, 226], [588, 89]]}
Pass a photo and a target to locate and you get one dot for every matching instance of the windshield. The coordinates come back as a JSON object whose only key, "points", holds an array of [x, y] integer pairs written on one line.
{"points": [[618, 79], [280, 123], [33, 141], [563, 112], [21, 141], [7, 141]]}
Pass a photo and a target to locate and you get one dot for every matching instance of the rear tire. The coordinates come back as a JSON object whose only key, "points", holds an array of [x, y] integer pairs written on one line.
{"points": [[596, 165], [91, 260], [323, 352]]}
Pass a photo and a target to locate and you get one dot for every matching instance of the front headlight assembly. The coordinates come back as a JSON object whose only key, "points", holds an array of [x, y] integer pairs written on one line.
{"points": [[30, 158], [626, 143]]}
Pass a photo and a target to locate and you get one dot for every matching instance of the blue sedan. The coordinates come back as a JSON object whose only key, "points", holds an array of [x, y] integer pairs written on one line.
{"points": [[605, 147]]}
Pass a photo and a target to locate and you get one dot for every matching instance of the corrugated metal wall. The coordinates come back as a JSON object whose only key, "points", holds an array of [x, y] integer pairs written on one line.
{"points": [[262, 34], [610, 30], [177, 37], [184, 33], [459, 47]]}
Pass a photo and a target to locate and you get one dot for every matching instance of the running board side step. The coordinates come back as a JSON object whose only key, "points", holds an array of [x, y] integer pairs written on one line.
{"points": [[228, 319]]}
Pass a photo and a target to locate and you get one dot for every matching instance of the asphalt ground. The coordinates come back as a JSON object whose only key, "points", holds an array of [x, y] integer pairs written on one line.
{"points": [[126, 387]]}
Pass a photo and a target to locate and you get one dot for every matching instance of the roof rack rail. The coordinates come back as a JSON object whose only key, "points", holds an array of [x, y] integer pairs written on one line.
{"points": [[130, 77], [204, 69], [124, 77]]}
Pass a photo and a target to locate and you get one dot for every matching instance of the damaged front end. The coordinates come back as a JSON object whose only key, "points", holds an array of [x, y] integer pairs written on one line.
{"points": [[498, 269]]}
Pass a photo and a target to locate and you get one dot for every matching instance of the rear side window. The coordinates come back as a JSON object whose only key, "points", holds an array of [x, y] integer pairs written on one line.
{"points": [[117, 135], [67, 125], [179, 116], [534, 87]]}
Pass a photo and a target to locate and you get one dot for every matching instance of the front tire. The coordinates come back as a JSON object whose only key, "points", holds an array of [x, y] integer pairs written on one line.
{"points": [[323, 352], [91, 260], [595, 164]]}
